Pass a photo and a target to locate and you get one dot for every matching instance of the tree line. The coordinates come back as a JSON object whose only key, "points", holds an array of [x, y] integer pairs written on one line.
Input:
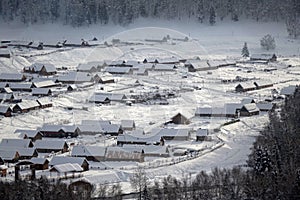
{"points": [[124, 12]]}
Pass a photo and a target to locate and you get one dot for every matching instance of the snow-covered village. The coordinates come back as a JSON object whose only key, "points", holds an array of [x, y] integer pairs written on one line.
{"points": [[149, 100]]}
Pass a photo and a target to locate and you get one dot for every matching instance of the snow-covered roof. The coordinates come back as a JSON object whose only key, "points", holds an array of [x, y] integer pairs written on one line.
{"points": [[3, 85], [148, 149], [39, 161], [265, 106], [56, 128], [171, 132], [5, 96], [20, 86], [110, 128], [8, 154], [4, 51], [147, 139], [37, 67], [260, 83], [28, 132], [118, 70], [164, 67], [251, 107], [247, 101], [201, 132], [11, 76], [16, 143], [289, 90], [57, 160], [127, 123], [67, 167], [90, 65], [26, 151], [41, 91], [246, 85], [76, 77], [198, 64], [42, 84], [44, 101], [4, 108], [27, 104], [88, 151], [95, 122], [49, 144], [111, 96], [230, 108], [99, 98], [145, 66]]}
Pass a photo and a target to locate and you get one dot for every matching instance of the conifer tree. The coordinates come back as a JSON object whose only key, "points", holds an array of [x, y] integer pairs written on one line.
{"points": [[245, 51]]}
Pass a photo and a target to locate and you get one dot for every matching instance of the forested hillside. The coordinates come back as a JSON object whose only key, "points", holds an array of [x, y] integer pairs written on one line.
{"points": [[124, 12]]}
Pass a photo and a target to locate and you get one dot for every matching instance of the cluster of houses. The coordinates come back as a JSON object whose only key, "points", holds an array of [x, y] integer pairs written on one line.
{"points": [[24, 106], [247, 107]]}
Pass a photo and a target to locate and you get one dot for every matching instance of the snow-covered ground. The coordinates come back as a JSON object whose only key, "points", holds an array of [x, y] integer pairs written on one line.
{"points": [[222, 41]]}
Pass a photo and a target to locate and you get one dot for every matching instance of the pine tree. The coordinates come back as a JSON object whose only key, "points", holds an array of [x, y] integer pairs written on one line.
{"points": [[245, 51], [212, 17]]}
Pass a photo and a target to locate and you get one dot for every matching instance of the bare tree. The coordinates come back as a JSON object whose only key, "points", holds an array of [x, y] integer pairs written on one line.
{"points": [[139, 181]]}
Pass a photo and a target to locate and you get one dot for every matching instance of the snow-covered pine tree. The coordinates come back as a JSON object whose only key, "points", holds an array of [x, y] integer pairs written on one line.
{"points": [[245, 51]]}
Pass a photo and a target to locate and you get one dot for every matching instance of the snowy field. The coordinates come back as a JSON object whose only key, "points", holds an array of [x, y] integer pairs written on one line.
{"points": [[223, 41]]}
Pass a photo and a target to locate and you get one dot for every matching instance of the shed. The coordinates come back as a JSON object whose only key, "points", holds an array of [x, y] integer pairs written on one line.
{"points": [[263, 57], [202, 134]]}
